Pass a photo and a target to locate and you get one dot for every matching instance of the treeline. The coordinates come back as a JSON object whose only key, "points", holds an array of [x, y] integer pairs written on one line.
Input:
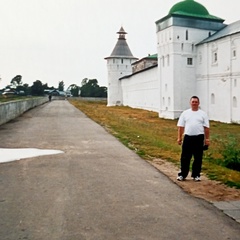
{"points": [[88, 88]]}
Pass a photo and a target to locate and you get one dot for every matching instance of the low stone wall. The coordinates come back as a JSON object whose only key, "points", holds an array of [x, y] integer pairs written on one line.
{"points": [[13, 109]]}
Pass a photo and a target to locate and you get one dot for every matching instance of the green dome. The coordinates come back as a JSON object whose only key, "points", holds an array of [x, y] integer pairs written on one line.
{"points": [[189, 7]]}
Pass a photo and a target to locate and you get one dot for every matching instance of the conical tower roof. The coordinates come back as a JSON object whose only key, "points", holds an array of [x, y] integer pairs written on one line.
{"points": [[121, 49]]}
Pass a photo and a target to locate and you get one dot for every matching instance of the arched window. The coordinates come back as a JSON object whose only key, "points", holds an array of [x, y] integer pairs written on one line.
{"points": [[214, 53], [200, 57], [235, 82], [234, 53], [168, 60], [234, 102], [215, 57], [212, 98], [169, 101]]}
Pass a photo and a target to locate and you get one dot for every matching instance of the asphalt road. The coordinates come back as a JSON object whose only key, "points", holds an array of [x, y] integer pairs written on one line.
{"points": [[96, 190]]}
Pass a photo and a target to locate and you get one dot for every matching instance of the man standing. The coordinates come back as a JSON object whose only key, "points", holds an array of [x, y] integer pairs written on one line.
{"points": [[194, 125]]}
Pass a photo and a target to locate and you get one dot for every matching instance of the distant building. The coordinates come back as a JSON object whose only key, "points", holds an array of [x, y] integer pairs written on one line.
{"points": [[197, 54]]}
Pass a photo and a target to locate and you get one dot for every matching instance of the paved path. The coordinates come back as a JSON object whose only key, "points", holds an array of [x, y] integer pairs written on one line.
{"points": [[96, 190]]}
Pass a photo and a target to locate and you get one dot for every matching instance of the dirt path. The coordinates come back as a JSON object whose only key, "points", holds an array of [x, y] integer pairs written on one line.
{"points": [[206, 189]]}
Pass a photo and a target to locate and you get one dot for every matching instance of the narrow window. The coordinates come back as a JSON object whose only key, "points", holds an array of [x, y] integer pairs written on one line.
{"points": [[186, 34], [169, 101], [121, 60], [234, 102], [168, 60], [212, 98], [200, 57], [189, 61], [215, 57], [234, 53], [235, 82]]}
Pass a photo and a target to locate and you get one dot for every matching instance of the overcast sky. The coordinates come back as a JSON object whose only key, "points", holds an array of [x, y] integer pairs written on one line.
{"points": [[67, 40]]}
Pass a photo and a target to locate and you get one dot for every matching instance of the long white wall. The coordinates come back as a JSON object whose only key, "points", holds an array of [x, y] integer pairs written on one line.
{"points": [[218, 81], [141, 90], [13, 109]]}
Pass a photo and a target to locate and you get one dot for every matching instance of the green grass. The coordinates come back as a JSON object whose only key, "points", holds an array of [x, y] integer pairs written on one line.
{"points": [[151, 137], [12, 98]]}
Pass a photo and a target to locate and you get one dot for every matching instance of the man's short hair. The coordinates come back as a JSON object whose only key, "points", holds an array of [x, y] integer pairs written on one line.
{"points": [[195, 97]]}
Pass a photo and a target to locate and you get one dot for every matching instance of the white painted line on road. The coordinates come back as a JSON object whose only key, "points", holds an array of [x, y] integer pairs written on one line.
{"points": [[14, 154]]}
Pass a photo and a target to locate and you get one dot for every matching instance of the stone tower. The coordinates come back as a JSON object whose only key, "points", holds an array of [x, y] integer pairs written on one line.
{"points": [[118, 65]]}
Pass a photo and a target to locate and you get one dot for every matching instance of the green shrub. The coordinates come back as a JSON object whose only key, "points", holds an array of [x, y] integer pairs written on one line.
{"points": [[231, 154]]}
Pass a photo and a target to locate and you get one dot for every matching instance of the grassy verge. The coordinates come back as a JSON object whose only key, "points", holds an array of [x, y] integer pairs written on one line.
{"points": [[12, 98], [151, 137]]}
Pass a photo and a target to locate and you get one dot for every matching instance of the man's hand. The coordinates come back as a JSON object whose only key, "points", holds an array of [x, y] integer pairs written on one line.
{"points": [[207, 142], [179, 141], [180, 134]]}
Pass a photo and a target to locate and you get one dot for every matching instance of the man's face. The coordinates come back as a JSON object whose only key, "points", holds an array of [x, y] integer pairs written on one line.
{"points": [[194, 102]]}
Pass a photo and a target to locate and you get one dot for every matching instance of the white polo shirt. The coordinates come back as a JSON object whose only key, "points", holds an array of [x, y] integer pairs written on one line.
{"points": [[193, 122]]}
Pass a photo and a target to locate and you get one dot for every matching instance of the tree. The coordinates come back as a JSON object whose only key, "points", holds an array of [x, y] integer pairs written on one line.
{"points": [[90, 88], [17, 80], [23, 89], [45, 86], [61, 86], [74, 89], [101, 92], [37, 88], [84, 81]]}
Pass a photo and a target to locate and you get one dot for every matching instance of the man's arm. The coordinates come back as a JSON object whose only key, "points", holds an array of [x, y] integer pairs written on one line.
{"points": [[180, 134], [206, 133]]}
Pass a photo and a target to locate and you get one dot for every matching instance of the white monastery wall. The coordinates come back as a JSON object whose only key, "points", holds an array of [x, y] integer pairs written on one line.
{"points": [[235, 80], [217, 80], [141, 90]]}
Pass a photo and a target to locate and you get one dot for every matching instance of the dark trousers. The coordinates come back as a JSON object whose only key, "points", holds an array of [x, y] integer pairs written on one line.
{"points": [[192, 146]]}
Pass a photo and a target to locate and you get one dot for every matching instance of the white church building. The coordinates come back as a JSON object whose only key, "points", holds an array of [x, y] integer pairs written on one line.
{"points": [[197, 54]]}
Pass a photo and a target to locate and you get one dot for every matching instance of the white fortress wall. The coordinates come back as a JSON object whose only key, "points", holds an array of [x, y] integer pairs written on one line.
{"points": [[141, 90], [235, 77], [218, 80]]}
